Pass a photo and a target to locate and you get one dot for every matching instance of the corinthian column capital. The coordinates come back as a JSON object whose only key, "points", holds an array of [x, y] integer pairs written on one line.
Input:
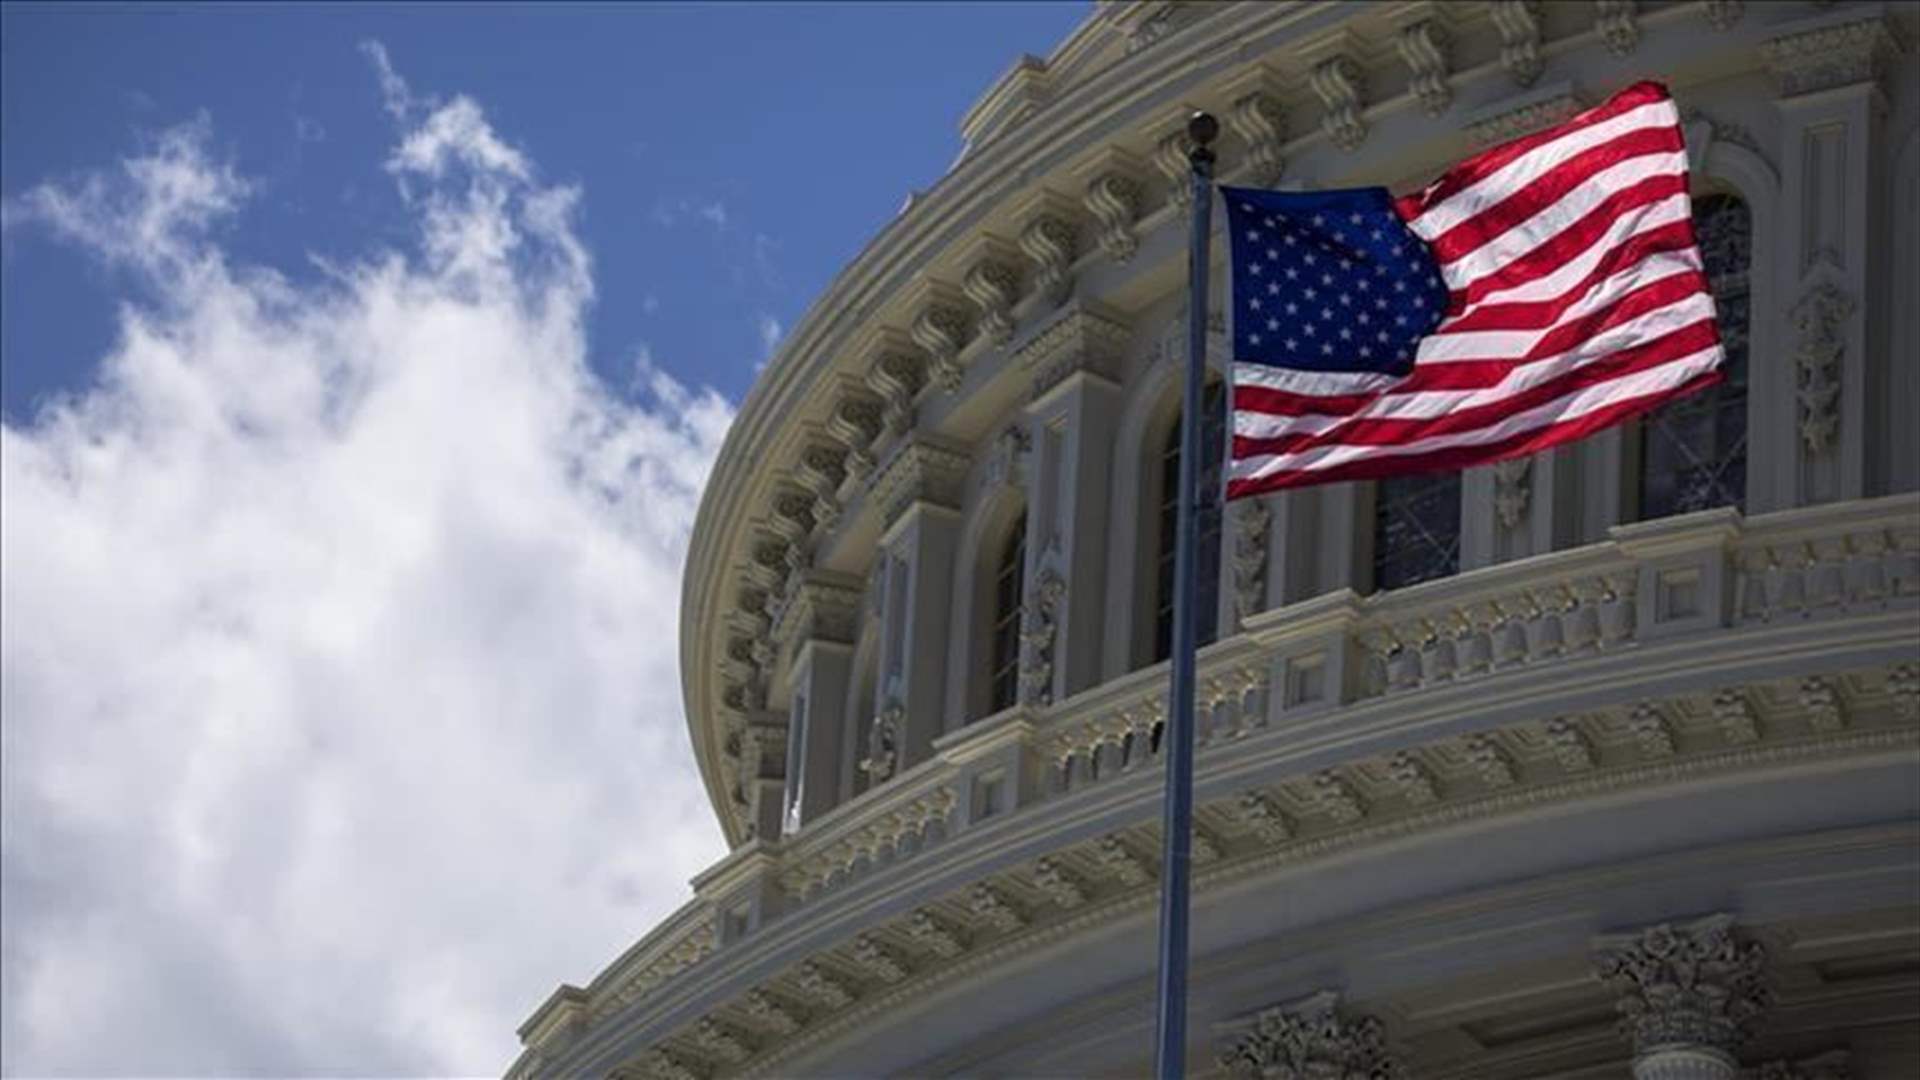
{"points": [[1689, 992]]}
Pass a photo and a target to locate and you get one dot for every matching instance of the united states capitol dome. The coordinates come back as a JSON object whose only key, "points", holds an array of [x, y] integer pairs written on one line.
{"points": [[1599, 763]]}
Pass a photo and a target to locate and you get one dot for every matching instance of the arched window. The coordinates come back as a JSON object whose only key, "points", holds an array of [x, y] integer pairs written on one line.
{"points": [[1207, 596], [1693, 451], [1008, 594], [1416, 528]]}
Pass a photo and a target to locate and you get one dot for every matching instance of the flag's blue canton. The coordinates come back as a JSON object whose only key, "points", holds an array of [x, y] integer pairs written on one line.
{"points": [[1329, 281]]}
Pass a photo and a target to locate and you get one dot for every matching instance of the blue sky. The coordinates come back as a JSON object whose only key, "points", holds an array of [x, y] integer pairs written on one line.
{"points": [[732, 157], [341, 522]]}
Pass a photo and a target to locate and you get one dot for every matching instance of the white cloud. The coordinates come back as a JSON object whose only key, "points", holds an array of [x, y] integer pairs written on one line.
{"points": [[770, 331], [340, 684]]}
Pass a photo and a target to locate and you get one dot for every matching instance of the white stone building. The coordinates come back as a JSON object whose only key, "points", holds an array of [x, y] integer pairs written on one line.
{"points": [[1603, 763]]}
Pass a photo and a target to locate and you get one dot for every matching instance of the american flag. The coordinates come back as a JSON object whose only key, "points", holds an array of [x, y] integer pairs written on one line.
{"points": [[1536, 293]]}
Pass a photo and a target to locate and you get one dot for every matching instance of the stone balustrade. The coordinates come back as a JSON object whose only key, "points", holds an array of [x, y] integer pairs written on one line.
{"points": [[1336, 663]]}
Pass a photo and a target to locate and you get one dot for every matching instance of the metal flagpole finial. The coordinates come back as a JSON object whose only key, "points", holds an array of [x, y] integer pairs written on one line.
{"points": [[1202, 129]]}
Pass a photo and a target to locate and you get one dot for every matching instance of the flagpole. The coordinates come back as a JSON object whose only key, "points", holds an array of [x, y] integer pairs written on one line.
{"points": [[1170, 1041]]}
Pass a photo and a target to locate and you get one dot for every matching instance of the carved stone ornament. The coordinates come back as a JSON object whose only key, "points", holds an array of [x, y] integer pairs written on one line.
{"points": [[1694, 986], [993, 284], [761, 1008], [883, 744], [822, 469], [1312, 1039], [1820, 318], [856, 424], [1519, 24], [1170, 158], [1260, 120], [1113, 198], [919, 471], [1423, 47], [1524, 120], [1511, 490], [1050, 241], [1832, 1065], [1039, 636], [1830, 56], [1077, 340], [1251, 518], [1007, 460], [1614, 21], [822, 609], [822, 986], [942, 329], [1341, 86], [898, 376]]}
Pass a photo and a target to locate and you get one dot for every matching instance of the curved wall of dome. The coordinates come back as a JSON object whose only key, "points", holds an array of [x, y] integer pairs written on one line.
{"points": [[1602, 761]]}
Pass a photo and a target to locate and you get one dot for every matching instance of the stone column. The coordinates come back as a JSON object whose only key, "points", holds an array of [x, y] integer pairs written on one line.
{"points": [[817, 626], [1688, 994], [1309, 1039], [1830, 392], [1072, 415], [918, 491]]}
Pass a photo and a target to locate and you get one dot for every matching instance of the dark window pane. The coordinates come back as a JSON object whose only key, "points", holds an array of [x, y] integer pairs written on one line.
{"points": [[1693, 452], [1207, 596], [1009, 578], [1416, 529]]}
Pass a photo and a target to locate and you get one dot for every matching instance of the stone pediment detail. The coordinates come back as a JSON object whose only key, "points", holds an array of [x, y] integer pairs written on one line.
{"points": [[920, 470], [1314, 1038], [1837, 54], [824, 607], [1080, 338]]}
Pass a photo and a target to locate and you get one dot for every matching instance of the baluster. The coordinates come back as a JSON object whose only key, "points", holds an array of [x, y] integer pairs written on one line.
{"points": [[1787, 581], [1827, 585], [1866, 573], [1754, 566]]}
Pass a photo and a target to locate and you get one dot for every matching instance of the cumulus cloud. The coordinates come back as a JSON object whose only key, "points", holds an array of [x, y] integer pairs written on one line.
{"points": [[340, 687]]}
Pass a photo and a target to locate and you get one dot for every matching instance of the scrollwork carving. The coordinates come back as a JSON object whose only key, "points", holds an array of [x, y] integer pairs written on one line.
{"points": [[1340, 84], [1313, 1039], [1423, 47], [1821, 320]]}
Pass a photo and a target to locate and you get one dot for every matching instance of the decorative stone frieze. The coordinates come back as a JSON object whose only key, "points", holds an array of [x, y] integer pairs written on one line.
{"points": [[1259, 815], [1079, 339], [1060, 885], [1250, 522], [790, 517], [991, 907], [1830, 56], [822, 986], [1822, 702], [1492, 764], [882, 759], [1039, 636], [1651, 732], [919, 471], [761, 1008], [711, 1037], [1519, 24], [1050, 240], [1614, 21], [1572, 751], [1832, 1065], [1341, 86], [1414, 780], [1007, 458], [932, 933], [1735, 715], [1512, 488], [660, 1064], [1903, 686], [877, 959], [824, 607], [1525, 119], [1723, 14], [1422, 44], [898, 374], [1820, 318], [1113, 197], [992, 283], [1689, 991], [856, 424], [1310, 1039], [1121, 862], [1336, 798], [1259, 117], [943, 328]]}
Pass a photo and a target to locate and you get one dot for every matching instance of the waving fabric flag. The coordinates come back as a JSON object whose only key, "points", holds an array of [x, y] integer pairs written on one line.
{"points": [[1535, 293]]}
